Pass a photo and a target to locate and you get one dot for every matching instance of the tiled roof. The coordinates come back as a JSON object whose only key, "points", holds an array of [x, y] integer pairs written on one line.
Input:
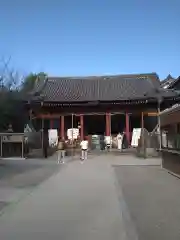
{"points": [[104, 88], [168, 82], [160, 93], [174, 108]]}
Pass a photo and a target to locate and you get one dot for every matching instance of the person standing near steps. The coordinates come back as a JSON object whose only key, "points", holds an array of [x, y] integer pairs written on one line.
{"points": [[84, 149], [45, 142], [119, 141], [61, 151]]}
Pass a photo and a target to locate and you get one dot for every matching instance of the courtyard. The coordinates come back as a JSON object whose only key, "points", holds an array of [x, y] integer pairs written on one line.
{"points": [[107, 197]]}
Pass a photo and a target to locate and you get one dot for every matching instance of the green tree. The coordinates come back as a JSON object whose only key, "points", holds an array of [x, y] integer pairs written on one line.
{"points": [[30, 80], [12, 91], [11, 95]]}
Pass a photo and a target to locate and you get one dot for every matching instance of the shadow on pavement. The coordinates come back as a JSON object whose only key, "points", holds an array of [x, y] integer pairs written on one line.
{"points": [[26, 173]]}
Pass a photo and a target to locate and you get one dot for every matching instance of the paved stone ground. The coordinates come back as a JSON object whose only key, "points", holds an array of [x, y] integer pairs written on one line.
{"points": [[151, 199], [107, 197], [18, 178], [79, 202], [3, 204]]}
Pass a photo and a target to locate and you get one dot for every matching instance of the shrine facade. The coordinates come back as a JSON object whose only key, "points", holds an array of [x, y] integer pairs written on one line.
{"points": [[56, 99]]}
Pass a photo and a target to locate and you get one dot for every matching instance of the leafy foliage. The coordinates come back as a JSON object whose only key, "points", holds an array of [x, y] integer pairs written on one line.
{"points": [[30, 80], [12, 88]]}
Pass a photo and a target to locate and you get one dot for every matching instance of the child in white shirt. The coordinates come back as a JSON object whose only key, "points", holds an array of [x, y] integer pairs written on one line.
{"points": [[84, 148]]}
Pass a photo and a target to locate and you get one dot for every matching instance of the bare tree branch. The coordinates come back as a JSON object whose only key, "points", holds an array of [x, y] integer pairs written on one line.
{"points": [[9, 78], [3, 70]]}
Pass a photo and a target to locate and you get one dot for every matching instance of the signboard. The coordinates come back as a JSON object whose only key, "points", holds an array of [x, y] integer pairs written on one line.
{"points": [[72, 133], [12, 138], [95, 142]]}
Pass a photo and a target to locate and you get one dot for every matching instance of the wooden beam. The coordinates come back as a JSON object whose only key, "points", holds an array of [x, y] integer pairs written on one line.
{"points": [[58, 115], [152, 114], [49, 116]]}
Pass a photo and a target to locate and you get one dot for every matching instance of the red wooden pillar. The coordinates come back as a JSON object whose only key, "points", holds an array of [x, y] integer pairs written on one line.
{"points": [[82, 127], [142, 120], [127, 128], [62, 127], [51, 123], [108, 124], [142, 131]]}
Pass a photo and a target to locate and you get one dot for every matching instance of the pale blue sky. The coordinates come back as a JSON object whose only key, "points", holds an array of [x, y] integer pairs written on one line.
{"points": [[91, 37]]}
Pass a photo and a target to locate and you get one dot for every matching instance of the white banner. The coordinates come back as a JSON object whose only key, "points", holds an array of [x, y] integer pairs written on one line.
{"points": [[72, 133], [135, 137], [53, 137]]}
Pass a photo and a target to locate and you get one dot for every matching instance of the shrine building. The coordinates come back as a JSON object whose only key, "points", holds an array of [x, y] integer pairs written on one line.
{"points": [[98, 104]]}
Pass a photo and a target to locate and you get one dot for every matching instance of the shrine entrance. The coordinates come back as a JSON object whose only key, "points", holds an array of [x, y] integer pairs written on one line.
{"points": [[95, 124], [98, 126]]}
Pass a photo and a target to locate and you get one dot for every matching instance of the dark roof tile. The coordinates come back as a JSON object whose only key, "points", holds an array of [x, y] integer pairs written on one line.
{"points": [[168, 82], [103, 88]]}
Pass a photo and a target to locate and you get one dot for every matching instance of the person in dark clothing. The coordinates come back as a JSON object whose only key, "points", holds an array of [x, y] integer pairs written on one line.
{"points": [[102, 143], [125, 142], [45, 143]]}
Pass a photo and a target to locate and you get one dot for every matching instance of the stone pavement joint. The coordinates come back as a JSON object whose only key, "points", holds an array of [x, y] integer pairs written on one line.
{"points": [[131, 231]]}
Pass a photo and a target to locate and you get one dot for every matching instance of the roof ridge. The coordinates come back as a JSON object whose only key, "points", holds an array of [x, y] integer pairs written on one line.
{"points": [[103, 76]]}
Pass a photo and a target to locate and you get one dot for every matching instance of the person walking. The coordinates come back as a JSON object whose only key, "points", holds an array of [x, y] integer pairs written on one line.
{"points": [[119, 141], [108, 143], [84, 149], [45, 143], [61, 151], [102, 142], [124, 141]]}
